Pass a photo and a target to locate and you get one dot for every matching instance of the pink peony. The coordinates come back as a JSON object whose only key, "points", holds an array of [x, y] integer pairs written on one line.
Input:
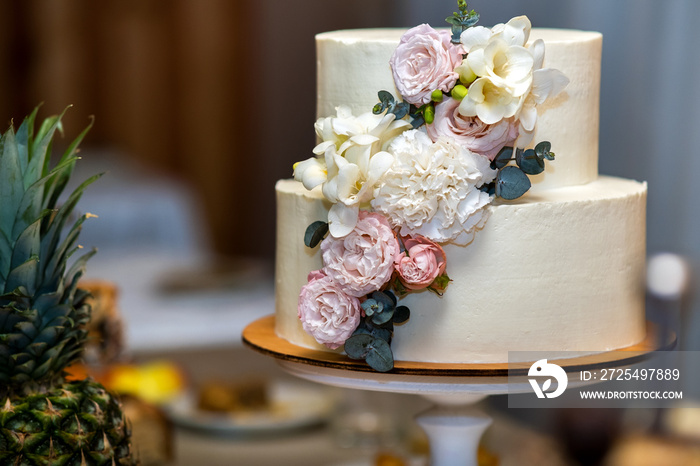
{"points": [[326, 312], [363, 260], [424, 61], [471, 132], [421, 263]]}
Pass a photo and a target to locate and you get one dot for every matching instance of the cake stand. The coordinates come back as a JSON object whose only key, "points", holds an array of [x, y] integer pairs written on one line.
{"points": [[454, 426]]}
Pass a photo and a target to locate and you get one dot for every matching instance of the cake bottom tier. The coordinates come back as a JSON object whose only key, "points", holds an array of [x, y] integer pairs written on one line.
{"points": [[560, 270]]}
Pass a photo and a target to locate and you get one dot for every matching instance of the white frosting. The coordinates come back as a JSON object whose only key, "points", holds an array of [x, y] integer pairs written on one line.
{"points": [[353, 65], [561, 270]]}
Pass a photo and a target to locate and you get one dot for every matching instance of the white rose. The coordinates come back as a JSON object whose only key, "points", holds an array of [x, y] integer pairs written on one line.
{"points": [[432, 189]]}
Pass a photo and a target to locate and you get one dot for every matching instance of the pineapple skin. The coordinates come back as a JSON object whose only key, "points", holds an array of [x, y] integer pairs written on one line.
{"points": [[79, 423]]}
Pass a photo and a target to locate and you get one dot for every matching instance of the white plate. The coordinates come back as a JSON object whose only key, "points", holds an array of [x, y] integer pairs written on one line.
{"points": [[292, 406]]}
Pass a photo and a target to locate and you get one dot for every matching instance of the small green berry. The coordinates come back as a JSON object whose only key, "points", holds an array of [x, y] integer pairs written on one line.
{"points": [[459, 92], [429, 114], [436, 96]]}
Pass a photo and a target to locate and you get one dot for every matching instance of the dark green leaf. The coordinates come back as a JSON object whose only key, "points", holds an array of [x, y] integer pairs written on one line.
{"points": [[386, 98], [511, 183], [28, 244], [384, 316], [400, 110], [401, 315], [357, 346], [315, 233], [379, 356], [489, 188], [39, 150], [12, 187], [372, 306], [504, 156], [543, 149], [377, 332], [385, 297], [529, 162], [24, 275], [417, 120], [24, 136]]}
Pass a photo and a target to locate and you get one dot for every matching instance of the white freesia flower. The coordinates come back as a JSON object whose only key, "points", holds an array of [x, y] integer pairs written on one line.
{"points": [[432, 189], [311, 172], [354, 158], [510, 80], [489, 102]]}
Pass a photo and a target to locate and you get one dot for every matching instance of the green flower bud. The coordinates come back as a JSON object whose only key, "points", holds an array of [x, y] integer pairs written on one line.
{"points": [[459, 92], [436, 96], [429, 114], [466, 74]]}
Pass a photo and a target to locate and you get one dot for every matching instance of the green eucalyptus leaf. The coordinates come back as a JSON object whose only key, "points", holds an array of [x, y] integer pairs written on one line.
{"points": [[358, 345], [504, 156], [386, 98], [387, 298], [488, 188], [543, 150], [529, 162], [372, 306], [400, 110], [511, 183], [401, 315], [315, 233], [379, 356], [383, 316], [377, 332]]}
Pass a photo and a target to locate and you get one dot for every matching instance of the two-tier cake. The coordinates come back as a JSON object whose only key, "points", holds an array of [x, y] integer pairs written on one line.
{"points": [[484, 265]]}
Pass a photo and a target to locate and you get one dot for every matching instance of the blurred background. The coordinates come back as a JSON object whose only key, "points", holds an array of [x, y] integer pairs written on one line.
{"points": [[201, 105]]}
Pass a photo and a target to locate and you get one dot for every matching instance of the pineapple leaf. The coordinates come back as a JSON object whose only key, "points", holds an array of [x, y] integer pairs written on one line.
{"points": [[59, 181], [76, 271], [32, 201], [11, 188], [24, 138], [28, 244], [24, 275], [39, 148], [54, 268], [49, 242], [5, 256]]}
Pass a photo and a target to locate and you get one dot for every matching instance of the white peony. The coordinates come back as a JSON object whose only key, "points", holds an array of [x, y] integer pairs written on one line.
{"points": [[432, 189], [354, 159]]}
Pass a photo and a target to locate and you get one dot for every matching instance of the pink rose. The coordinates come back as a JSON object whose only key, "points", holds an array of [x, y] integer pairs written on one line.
{"points": [[326, 313], [363, 260], [471, 132], [421, 263], [424, 61]]}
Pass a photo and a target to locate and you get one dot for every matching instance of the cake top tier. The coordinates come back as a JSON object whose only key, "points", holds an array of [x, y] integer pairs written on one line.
{"points": [[353, 65]]}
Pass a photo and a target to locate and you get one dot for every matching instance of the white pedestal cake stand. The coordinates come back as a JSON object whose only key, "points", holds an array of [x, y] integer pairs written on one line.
{"points": [[454, 426]]}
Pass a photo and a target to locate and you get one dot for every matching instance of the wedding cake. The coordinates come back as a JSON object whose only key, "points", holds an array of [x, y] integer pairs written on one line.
{"points": [[439, 224]]}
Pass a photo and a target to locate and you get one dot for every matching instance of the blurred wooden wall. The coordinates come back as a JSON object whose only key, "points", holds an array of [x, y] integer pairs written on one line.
{"points": [[220, 93]]}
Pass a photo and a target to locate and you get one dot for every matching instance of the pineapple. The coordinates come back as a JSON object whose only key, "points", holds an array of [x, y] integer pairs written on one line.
{"points": [[44, 315]]}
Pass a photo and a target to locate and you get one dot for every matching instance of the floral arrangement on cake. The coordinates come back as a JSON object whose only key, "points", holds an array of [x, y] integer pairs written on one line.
{"points": [[420, 171]]}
